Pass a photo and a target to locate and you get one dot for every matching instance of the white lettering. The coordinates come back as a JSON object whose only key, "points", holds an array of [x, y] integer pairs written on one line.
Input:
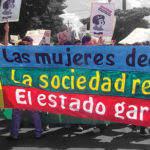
{"points": [[19, 96], [62, 97], [75, 106], [29, 97], [103, 108], [90, 103], [40, 98], [50, 97], [119, 111], [134, 112], [142, 112]]}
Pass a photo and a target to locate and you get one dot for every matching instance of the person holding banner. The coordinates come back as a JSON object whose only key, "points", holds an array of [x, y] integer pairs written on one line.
{"points": [[86, 40], [6, 28], [17, 113], [16, 120]]}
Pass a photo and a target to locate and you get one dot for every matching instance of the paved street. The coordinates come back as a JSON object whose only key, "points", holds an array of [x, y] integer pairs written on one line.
{"points": [[116, 137]]}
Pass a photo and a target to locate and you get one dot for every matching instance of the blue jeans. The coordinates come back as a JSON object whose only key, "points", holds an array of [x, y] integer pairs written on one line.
{"points": [[16, 120]]}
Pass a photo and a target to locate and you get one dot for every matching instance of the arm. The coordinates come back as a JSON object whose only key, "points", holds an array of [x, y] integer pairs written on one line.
{"points": [[6, 28], [101, 41]]}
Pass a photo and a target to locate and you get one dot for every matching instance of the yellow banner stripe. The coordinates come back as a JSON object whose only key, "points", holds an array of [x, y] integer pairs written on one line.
{"points": [[1, 96]]}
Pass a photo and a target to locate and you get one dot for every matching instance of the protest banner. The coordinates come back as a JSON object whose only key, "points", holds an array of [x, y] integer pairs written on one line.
{"points": [[14, 38], [102, 19], [83, 31], [46, 38], [137, 35], [40, 37], [117, 58], [109, 83], [6, 113], [64, 36], [10, 10]]}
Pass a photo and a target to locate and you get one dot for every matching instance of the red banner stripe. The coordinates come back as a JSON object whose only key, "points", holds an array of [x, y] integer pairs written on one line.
{"points": [[108, 108]]}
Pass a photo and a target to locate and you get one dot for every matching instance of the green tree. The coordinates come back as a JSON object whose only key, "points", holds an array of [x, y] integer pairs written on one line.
{"points": [[40, 14], [50, 19], [127, 21]]}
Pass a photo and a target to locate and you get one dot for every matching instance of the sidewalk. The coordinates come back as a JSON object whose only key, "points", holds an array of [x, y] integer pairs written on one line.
{"points": [[116, 137]]}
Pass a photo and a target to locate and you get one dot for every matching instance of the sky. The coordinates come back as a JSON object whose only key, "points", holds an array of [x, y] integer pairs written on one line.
{"points": [[78, 9]]}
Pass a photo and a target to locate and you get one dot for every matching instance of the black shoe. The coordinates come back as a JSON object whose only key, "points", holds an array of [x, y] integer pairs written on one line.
{"points": [[12, 138], [144, 133], [96, 130], [79, 129]]}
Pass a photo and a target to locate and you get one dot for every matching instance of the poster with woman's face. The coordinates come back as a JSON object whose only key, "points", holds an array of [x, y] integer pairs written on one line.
{"points": [[102, 17], [10, 10]]}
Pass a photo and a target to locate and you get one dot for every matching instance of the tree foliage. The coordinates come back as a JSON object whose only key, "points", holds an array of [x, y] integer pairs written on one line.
{"points": [[50, 18], [40, 14], [127, 21]]}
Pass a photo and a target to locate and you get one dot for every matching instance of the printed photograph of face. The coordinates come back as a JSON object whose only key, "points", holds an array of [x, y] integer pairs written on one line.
{"points": [[8, 5], [98, 21]]}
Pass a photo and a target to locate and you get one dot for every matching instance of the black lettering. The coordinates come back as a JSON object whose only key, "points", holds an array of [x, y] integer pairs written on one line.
{"points": [[25, 56], [5, 56], [104, 11], [86, 56], [59, 61], [98, 58], [77, 58], [67, 49], [109, 56], [44, 56], [18, 57], [68, 57], [130, 60], [142, 59], [68, 60]]}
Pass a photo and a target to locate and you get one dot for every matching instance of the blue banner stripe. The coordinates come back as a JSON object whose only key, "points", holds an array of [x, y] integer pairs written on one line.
{"points": [[115, 58]]}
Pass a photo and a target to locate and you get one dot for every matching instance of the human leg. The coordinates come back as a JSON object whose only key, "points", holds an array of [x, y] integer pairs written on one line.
{"points": [[16, 119], [37, 123], [143, 130]]}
